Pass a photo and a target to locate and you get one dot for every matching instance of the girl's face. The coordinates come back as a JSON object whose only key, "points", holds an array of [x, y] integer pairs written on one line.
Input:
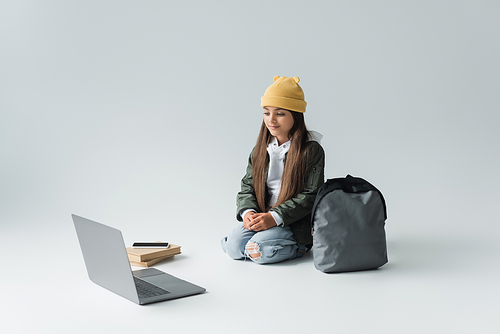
{"points": [[279, 122]]}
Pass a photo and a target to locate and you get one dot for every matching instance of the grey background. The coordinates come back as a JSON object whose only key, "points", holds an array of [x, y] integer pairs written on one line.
{"points": [[141, 115]]}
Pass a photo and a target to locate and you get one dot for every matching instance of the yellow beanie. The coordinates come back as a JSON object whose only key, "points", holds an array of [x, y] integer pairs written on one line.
{"points": [[285, 93]]}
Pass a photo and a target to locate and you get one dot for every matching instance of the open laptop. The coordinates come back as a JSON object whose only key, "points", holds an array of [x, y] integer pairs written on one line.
{"points": [[108, 266]]}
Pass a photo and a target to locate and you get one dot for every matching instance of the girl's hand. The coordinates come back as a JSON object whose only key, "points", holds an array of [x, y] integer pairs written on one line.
{"points": [[260, 221], [247, 219]]}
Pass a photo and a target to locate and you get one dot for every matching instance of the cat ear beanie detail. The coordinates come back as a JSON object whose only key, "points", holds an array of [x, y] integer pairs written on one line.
{"points": [[285, 93]]}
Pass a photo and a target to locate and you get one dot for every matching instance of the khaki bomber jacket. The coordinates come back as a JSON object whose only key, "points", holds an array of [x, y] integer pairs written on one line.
{"points": [[295, 212]]}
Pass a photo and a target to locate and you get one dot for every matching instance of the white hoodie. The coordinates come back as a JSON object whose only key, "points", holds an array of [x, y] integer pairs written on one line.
{"points": [[276, 164]]}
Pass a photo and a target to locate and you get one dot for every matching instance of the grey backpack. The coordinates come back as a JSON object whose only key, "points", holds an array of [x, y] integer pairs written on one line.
{"points": [[348, 221]]}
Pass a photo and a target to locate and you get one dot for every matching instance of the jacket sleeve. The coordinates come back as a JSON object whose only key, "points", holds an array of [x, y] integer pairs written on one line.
{"points": [[300, 206], [246, 198]]}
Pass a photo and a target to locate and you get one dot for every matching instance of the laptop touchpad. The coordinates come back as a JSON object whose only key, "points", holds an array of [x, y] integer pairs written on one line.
{"points": [[147, 272]]}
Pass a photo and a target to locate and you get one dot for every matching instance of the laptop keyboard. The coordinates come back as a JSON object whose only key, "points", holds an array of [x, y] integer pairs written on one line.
{"points": [[146, 289]]}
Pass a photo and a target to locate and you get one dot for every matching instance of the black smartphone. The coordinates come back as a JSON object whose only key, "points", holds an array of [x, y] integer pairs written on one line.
{"points": [[143, 244]]}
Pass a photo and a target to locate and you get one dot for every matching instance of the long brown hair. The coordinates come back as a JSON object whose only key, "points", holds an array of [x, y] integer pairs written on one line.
{"points": [[292, 180]]}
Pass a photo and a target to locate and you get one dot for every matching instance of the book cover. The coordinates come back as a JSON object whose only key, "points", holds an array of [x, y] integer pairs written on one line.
{"points": [[147, 254], [150, 262]]}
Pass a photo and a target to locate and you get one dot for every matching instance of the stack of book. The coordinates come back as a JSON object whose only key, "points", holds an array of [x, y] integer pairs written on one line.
{"points": [[146, 257]]}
